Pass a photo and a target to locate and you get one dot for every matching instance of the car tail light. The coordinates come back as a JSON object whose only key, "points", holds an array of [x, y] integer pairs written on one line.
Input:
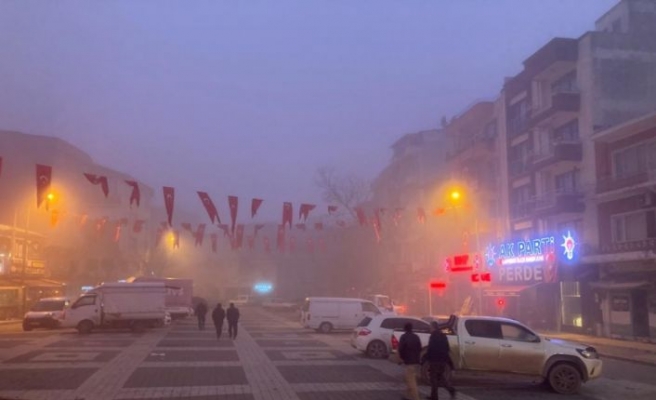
{"points": [[364, 332], [395, 343]]}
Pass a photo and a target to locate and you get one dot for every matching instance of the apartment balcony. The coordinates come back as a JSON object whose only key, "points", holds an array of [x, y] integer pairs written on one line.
{"points": [[519, 168], [570, 151], [522, 210], [559, 202], [607, 185], [562, 106], [518, 126]]}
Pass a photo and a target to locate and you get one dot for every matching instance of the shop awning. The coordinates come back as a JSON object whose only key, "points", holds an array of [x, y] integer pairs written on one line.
{"points": [[508, 291], [619, 285]]}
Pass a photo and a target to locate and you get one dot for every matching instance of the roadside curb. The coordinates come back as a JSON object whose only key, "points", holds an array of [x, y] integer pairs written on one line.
{"points": [[12, 321], [631, 360]]}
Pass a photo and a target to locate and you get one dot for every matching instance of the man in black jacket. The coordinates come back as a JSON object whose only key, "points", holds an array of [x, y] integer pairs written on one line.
{"points": [[201, 310], [410, 354], [232, 315], [218, 315], [438, 359]]}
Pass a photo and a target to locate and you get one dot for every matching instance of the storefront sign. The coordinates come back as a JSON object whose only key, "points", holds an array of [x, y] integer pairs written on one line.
{"points": [[532, 251], [647, 244]]}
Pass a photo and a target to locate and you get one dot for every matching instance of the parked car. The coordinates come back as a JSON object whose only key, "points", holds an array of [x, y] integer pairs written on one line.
{"points": [[46, 313], [326, 314], [373, 334], [242, 300], [501, 345]]}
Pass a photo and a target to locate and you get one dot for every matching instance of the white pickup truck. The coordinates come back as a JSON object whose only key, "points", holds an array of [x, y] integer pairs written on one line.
{"points": [[500, 345]]}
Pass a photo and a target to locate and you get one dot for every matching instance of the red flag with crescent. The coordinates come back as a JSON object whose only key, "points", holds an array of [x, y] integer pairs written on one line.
{"points": [[212, 212], [255, 205], [169, 201], [43, 181], [239, 236], [280, 238], [199, 235], [257, 228], [135, 195], [304, 211], [233, 202], [287, 214]]}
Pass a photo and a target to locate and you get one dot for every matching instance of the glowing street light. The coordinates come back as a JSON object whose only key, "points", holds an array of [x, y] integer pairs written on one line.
{"points": [[50, 196], [455, 195]]}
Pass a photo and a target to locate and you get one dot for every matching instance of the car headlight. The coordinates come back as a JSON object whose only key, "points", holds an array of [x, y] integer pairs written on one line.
{"points": [[588, 352]]}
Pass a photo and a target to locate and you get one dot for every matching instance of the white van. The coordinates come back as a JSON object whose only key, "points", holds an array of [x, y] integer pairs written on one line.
{"points": [[327, 313]]}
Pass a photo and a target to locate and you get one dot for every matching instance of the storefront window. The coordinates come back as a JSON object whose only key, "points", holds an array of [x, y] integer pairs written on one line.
{"points": [[570, 300], [620, 303]]}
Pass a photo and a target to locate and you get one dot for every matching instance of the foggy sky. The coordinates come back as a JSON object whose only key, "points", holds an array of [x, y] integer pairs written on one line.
{"points": [[248, 98]]}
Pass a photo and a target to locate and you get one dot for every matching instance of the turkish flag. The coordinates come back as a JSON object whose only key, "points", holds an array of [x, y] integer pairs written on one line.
{"points": [[362, 217], [226, 229], [135, 195], [99, 180], [43, 181], [138, 226], [318, 226], [287, 214], [257, 228], [199, 236], [255, 205], [304, 211], [239, 237], [267, 244], [169, 201], [280, 238], [214, 237], [332, 209], [187, 227], [209, 207], [421, 215], [233, 202]]}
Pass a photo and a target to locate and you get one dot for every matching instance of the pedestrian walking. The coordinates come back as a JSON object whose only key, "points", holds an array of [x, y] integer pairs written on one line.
{"points": [[439, 361], [232, 315], [218, 315], [410, 354], [201, 311]]}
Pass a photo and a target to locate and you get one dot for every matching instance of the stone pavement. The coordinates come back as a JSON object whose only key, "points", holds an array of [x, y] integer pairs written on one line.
{"points": [[272, 359]]}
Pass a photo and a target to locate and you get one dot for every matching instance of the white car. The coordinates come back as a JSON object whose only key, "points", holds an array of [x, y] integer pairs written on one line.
{"points": [[373, 336], [46, 313], [241, 300]]}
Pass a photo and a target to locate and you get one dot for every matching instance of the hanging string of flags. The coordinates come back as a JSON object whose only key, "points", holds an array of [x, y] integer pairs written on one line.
{"points": [[234, 232]]}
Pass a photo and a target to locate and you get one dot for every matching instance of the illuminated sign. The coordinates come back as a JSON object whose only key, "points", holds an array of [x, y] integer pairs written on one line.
{"points": [[539, 250], [263, 287]]}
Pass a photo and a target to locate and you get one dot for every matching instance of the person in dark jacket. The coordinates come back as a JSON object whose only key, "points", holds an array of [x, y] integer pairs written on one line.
{"points": [[438, 359], [201, 311], [232, 315], [218, 315], [410, 354]]}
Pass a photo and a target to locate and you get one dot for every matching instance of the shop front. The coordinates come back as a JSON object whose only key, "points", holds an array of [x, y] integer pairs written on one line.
{"points": [[527, 284]]}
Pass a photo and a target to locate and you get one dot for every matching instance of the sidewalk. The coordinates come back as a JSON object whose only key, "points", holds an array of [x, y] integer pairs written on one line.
{"points": [[639, 352]]}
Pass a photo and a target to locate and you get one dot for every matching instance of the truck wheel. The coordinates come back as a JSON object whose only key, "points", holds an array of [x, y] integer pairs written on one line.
{"points": [[377, 349], [138, 326], [325, 327], [85, 327], [564, 378]]}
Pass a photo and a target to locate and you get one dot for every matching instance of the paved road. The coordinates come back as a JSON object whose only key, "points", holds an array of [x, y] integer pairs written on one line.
{"points": [[271, 359]]}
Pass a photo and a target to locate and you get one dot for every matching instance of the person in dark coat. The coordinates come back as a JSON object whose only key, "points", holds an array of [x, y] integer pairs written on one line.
{"points": [[218, 315], [201, 311], [438, 359], [410, 354], [232, 315]]}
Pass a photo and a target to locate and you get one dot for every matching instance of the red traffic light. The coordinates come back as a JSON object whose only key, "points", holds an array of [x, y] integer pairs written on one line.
{"points": [[438, 285], [501, 302]]}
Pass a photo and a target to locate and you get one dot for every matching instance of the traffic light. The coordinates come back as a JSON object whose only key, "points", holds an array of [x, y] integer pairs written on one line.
{"points": [[438, 285]]}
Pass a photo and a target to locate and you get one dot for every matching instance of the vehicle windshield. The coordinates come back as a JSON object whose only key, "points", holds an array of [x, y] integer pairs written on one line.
{"points": [[50, 305]]}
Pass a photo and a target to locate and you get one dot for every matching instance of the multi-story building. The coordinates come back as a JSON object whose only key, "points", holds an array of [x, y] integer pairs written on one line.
{"points": [[625, 254], [568, 91], [78, 237]]}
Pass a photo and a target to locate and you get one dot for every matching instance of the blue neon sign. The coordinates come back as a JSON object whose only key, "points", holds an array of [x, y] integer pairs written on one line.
{"points": [[542, 249], [263, 287]]}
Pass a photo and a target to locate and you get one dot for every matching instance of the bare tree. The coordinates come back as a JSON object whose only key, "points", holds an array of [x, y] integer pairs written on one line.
{"points": [[345, 190]]}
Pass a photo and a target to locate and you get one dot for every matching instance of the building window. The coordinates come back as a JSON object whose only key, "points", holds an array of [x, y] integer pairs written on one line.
{"points": [[570, 296], [568, 132], [518, 115], [635, 226], [568, 182], [565, 84], [634, 160]]}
